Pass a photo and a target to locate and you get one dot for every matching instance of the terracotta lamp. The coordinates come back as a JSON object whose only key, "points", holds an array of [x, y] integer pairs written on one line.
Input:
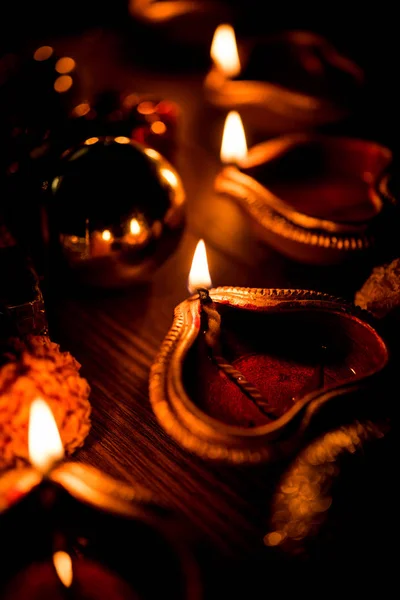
{"points": [[293, 79], [245, 375], [73, 532], [318, 199]]}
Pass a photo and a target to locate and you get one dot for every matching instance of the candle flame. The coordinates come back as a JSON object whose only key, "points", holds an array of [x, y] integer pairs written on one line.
{"points": [[134, 227], [224, 51], [106, 235], [199, 276], [44, 441], [63, 566], [234, 145]]}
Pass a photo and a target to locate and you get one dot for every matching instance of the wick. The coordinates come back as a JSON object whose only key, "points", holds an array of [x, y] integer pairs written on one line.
{"points": [[212, 339]]}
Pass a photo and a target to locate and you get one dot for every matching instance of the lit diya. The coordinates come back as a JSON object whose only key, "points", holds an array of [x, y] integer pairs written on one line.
{"points": [[244, 374], [317, 199], [73, 532], [295, 79]]}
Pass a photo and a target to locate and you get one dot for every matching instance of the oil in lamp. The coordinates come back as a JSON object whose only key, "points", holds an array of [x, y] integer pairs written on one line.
{"points": [[315, 198], [245, 375], [288, 81], [73, 532]]}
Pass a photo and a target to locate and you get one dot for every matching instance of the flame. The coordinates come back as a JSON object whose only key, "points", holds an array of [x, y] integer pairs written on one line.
{"points": [[63, 566], [234, 145], [199, 276], [134, 227], [106, 235], [44, 442], [224, 51]]}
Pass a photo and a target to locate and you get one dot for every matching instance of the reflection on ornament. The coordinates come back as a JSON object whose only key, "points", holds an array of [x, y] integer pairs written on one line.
{"points": [[116, 208], [100, 243]]}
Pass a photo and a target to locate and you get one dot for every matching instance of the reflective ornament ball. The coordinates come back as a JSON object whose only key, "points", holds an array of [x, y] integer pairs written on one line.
{"points": [[115, 210]]}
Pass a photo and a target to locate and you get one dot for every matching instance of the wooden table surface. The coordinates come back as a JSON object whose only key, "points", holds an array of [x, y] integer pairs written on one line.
{"points": [[116, 336]]}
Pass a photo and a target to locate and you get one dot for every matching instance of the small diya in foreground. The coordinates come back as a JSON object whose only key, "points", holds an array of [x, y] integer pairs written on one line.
{"points": [[317, 199], [245, 374], [294, 79], [73, 532]]}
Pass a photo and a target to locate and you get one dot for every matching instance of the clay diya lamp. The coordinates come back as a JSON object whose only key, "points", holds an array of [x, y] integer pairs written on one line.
{"points": [[245, 375], [293, 79], [73, 532], [316, 199]]}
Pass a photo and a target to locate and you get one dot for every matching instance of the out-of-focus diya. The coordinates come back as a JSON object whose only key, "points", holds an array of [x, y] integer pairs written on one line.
{"points": [[189, 21], [316, 199], [297, 76], [115, 210], [245, 375]]}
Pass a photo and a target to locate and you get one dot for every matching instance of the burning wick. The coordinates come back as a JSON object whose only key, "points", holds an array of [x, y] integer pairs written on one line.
{"points": [[200, 282]]}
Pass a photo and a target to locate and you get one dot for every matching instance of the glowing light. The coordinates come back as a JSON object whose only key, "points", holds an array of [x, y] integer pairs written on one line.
{"points": [[134, 227], [169, 176], [63, 83], [158, 127], [106, 235], [224, 51], [199, 276], [146, 108], [81, 110], [44, 441], [130, 100], [122, 139], [64, 65], [43, 53], [91, 141], [63, 566], [234, 145]]}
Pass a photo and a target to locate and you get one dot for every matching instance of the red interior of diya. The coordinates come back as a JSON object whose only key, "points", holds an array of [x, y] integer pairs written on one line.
{"points": [[334, 180], [285, 354]]}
